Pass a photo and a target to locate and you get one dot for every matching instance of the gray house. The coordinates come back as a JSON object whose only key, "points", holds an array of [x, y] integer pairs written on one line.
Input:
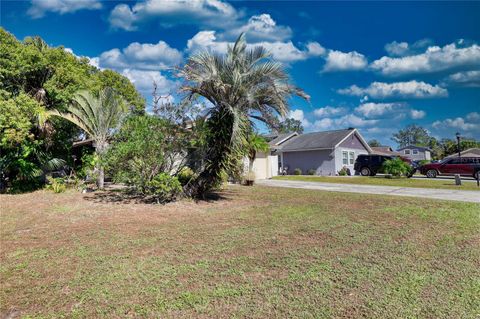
{"points": [[325, 152], [416, 153]]}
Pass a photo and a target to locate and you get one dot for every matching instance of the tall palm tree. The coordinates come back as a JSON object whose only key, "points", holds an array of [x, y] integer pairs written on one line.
{"points": [[255, 143], [242, 85], [98, 115]]}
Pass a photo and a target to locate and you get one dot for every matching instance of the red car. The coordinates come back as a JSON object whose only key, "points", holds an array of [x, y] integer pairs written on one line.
{"points": [[457, 165]]}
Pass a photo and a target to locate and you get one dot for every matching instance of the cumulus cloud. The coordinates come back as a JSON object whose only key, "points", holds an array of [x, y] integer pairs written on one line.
{"points": [[260, 28], [468, 124], [143, 81], [299, 115], [371, 110], [403, 48], [281, 51], [467, 78], [330, 111], [411, 89], [39, 8], [202, 12], [417, 114], [147, 56], [434, 59], [346, 121], [344, 61]]}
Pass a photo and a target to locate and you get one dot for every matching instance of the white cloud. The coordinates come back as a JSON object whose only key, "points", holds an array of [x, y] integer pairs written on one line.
{"points": [[299, 115], [260, 28], [458, 123], [202, 12], [346, 121], [403, 48], [143, 81], [330, 111], [371, 110], [434, 59], [410, 89], [281, 51], [341, 61], [417, 114], [141, 56], [468, 78], [39, 8], [473, 117]]}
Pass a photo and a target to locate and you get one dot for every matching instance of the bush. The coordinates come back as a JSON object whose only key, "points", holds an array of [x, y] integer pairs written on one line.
{"points": [[423, 162], [250, 176], [343, 171], [57, 185], [163, 188], [297, 171], [311, 172], [396, 167], [186, 175]]}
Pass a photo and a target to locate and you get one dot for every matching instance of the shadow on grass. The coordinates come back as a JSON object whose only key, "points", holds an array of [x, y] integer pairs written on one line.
{"points": [[123, 196]]}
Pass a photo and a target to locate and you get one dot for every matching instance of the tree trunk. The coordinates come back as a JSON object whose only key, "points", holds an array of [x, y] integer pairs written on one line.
{"points": [[100, 150], [101, 177]]}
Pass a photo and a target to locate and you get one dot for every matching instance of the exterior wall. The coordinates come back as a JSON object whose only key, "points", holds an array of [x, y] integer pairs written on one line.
{"points": [[351, 144], [422, 155], [322, 161], [264, 166]]}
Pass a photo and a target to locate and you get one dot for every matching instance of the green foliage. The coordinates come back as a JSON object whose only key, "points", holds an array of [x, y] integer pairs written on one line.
{"points": [[57, 185], [412, 135], [144, 147], [343, 171], [255, 143], [423, 162], [297, 171], [396, 167], [186, 175], [163, 188], [374, 143], [311, 172], [290, 125]]}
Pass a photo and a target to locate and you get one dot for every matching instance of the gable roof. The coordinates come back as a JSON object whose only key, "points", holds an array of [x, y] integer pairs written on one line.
{"points": [[414, 147], [471, 152], [319, 140], [383, 150], [277, 139]]}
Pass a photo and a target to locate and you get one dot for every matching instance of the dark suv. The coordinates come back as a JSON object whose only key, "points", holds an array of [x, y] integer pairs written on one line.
{"points": [[450, 166], [370, 165]]}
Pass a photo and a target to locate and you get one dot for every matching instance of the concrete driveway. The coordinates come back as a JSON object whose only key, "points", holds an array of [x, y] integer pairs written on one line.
{"points": [[445, 194]]}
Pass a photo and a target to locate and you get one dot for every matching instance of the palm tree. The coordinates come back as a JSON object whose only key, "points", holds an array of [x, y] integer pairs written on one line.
{"points": [[97, 115], [242, 85], [255, 143]]}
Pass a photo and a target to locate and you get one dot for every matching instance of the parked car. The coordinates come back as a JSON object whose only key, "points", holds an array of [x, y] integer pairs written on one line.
{"points": [[371, 164], [464, 166]]}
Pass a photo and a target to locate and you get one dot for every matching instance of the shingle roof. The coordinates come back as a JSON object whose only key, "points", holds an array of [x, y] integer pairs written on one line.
{"points": [[384, 150], [414, 147], [471, 152], [274, 139], [315, 140]]}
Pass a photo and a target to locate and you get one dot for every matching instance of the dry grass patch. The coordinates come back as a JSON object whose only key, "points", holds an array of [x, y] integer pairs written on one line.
{"points": [[253, 252]]}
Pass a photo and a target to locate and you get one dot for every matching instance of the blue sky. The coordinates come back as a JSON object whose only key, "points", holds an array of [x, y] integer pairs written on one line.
{"points": [[377, 66]]}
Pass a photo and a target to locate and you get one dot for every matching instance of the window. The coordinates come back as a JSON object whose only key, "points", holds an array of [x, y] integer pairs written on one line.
{"points": [[415, 152], [352, 157], [345, 158], [406, 152]]}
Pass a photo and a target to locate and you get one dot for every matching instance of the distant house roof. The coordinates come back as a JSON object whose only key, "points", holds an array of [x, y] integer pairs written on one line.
{"points": [[276, 139], [471, 152], [414, 147], [319, 140], [383, 150]]}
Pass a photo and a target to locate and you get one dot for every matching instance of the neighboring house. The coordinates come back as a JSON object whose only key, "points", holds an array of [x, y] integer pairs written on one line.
{"points": [[416, 153], [471, 152], [266, 164], [324, 152], [383, 150]]}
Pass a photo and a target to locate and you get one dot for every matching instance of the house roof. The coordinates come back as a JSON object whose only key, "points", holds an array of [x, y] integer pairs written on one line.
{"points": [[414, 147], [277, 139], [384, 150], [317, 140], [471, 152]]}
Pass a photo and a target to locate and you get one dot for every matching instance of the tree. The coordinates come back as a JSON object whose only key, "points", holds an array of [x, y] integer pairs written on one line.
{"points": [[242, 85], [97, 115], [290, 125], [412, 135], [374, 143]]}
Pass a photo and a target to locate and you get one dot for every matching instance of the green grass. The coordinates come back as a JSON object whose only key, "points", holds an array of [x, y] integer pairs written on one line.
{"points": [[381, 180], [257, 252]]}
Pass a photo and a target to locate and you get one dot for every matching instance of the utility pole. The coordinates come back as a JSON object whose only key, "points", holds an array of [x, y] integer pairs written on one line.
{"points": [[458, 143]]}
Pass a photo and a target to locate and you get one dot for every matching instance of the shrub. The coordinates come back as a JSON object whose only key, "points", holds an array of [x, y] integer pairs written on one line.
{"points": [[297, 171], [163, 188], [311, 172], [57, 185], [186, 175], [423, 162], [250, 176], [343, 171], [396, 167]]}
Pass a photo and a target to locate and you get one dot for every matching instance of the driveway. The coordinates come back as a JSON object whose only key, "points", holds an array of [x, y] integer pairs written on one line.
{"points": [[445, 194]]}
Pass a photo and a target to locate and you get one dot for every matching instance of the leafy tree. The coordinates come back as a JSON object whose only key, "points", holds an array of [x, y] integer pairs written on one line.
{"points": [[374, 143], [241, 86], [97, 115], [412, 135], [290, 125]]}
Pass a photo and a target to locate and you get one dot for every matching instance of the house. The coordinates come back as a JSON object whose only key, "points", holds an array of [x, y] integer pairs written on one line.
{"points": [[383, 150], [324, 152], [416, 153], [471, 152]]}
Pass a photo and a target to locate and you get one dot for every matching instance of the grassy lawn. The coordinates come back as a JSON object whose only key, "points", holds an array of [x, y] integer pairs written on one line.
{"points": [[380, 180], [256, 252]]}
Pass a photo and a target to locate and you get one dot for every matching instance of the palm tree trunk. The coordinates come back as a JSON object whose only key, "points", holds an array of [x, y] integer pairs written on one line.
{"points": [[100, 150]]}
